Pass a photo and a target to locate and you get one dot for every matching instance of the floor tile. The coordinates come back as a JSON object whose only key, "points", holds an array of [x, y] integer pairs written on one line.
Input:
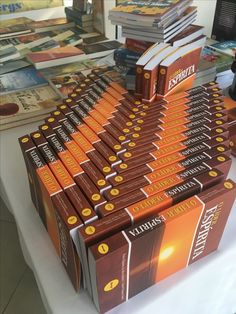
{"points": [[12, 264], [5, 215], [26, 299]]}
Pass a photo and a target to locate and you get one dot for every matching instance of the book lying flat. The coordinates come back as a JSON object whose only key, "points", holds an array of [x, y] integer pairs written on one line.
{"points": [[225, 47], [50, 24], [21, 80], [54, 57], [26, 104], [188, 34]]}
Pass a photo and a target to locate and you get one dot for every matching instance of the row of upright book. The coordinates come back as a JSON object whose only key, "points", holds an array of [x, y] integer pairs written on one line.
{"points": [[130, 192]]}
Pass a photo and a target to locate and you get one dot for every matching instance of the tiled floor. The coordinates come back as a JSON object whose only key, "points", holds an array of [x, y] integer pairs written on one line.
{"points": [[18, 289]]}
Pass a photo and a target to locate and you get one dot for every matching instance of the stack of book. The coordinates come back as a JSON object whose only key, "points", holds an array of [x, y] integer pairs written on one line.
{"points": [[80, 18], [129, 192], [153, 21]]}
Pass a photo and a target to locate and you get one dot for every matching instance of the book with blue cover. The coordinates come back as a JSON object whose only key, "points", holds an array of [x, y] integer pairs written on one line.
{"points": [[21, 80], [226, 47]]}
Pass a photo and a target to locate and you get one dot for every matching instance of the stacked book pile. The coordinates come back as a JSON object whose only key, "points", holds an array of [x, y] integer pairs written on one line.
{"points": [[130, 192]]}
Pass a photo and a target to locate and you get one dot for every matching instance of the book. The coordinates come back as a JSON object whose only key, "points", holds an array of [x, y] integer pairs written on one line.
{"points": [[177, 71], [221, 61], [155, 248], [152, 35], [80, 15], [148, 10], [138, 46], [21, 80], [50, 24], [72, 40], [54, 57], [122, 55], [65, 84], [26, 104], [153, 50], [187, 35], [225, 47], [100, 49], [45, 45], [80, 5], [14, 65], [8, 52], [15, 26], [150, 73]]}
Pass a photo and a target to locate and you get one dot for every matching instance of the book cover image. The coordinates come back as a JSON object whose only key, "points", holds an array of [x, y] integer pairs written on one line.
{"points": [[151, 8], [66, 83], [226, 47], [27, 102], [52, 54], [21, 80], [221, 61]]}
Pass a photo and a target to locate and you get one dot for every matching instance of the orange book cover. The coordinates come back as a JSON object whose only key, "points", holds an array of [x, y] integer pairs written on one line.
{"points": [[53, 54]]}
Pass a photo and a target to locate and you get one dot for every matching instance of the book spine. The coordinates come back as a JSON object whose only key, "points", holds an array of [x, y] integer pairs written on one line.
{"points": [[162, 76], [149, 84]]}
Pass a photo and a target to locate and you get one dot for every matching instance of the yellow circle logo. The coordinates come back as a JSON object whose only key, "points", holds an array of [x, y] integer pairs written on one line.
{"points": [[72, 220], [86, 212], [63, 107], [112, 158], [147, 76], [119, 179], [220, 149], [96, 197], [25, 140], [228, 185], [135, 135], [123, 166], [218, 108], [90, 230], [106, 169], [44, 127], [78, 90], [132, 144], [68, 100], [131, 116], [111, 285], [56, 113], [139, 70], [216, 101], [215, 89], [36, 135], [137, 128], [129, 123], [114, 192], [219, 122], [117, 147], [109, 206], [103, 248], [212, 83], [218, 115], [221, 158], [219, 130], [127, 155], [126, 130], [145, 107], [73, 95], [143, 114], [219, 139], [51, 120], [135, 110], [231, 143], [122, 138], [140, 121], [137, 102], [213, 173], [101, 182], [162, 71], [215, 95]]}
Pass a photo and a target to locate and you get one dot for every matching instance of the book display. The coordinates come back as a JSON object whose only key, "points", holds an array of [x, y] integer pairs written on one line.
{"points": [[128, 165]]}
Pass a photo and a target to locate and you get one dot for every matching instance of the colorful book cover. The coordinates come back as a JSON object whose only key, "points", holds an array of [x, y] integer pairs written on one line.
{"points": [[21, 80], [25, 104], [221, 61], [53, 54], [226, 47], [49, 23], [50, 44]]}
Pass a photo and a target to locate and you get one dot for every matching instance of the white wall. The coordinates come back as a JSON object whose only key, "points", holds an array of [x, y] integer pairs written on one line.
{"points": [[206, 13]]}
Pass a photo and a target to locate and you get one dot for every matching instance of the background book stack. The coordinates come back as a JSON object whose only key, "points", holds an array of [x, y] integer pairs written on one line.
{"points": [[145, 24]]}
